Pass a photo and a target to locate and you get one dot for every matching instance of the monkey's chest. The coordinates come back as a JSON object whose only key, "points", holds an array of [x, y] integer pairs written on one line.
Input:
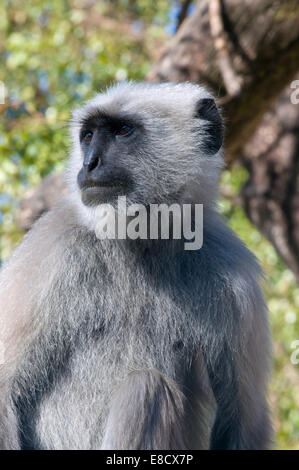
{"points": [[129, 332]]}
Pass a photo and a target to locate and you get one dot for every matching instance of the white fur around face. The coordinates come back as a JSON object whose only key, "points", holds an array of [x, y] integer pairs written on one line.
{"points": [[172, 163]]}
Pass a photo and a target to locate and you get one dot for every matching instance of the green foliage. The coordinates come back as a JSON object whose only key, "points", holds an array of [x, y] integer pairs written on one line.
{"points": [[54, 55]]}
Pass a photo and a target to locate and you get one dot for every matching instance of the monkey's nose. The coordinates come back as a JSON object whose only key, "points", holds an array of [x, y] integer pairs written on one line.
{"points": [[91, 163]]}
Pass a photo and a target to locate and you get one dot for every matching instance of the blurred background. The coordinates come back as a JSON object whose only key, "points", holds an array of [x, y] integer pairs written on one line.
{"points": [[56, 54]]}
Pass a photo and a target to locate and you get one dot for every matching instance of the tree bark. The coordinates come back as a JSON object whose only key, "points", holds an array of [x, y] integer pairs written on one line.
{"points": [[259, 39], [39, 200], [271, 194]]}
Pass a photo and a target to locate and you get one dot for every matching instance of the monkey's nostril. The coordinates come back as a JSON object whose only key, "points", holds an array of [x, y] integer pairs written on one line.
{"points": [[91, 164]]}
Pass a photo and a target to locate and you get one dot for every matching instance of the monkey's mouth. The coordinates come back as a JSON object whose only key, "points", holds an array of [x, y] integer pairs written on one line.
{"points": [[102, 192], [104, 184]]}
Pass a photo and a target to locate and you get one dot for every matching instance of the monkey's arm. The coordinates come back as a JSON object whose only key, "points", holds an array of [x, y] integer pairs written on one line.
{"points": [[24, 284], [234, 339], [238, 374], [16, 308], [146, 412]]}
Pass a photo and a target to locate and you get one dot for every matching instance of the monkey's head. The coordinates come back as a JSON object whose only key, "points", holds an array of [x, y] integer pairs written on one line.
{"points": [[153, 143]]}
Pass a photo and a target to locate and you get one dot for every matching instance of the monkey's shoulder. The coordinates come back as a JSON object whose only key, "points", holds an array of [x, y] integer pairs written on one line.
{"points": [[227, 271], [226, 253]]}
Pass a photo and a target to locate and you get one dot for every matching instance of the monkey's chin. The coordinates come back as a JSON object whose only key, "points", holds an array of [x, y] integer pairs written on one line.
{"points": [[94, 196]]}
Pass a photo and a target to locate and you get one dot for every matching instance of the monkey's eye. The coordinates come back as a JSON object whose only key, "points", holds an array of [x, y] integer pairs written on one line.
{"points": [[125, 130], [87, 137]]}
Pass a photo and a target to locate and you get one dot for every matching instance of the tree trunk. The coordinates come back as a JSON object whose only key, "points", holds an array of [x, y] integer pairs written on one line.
{"points": [[271, 194], [246, 51]]}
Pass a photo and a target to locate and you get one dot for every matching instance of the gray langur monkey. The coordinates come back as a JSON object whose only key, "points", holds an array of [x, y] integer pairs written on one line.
{"points": [[135, 344]]}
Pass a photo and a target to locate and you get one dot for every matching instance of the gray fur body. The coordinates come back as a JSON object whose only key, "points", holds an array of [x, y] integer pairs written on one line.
{"points": [[121, 344]]}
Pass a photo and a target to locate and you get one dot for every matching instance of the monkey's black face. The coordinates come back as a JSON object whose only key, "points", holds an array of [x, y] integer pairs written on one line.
{"points": [[107, 143]]}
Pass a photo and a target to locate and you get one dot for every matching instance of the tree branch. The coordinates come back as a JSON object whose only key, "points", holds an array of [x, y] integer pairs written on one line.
{"points": [[230, 79], [183, 12]]}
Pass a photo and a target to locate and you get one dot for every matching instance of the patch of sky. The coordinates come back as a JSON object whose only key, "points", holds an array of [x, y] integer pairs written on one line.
{"points": [[173, 16]]}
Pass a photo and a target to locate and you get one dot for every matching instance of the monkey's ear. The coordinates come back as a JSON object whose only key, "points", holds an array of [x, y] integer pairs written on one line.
{"points": [[207, 110]]}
